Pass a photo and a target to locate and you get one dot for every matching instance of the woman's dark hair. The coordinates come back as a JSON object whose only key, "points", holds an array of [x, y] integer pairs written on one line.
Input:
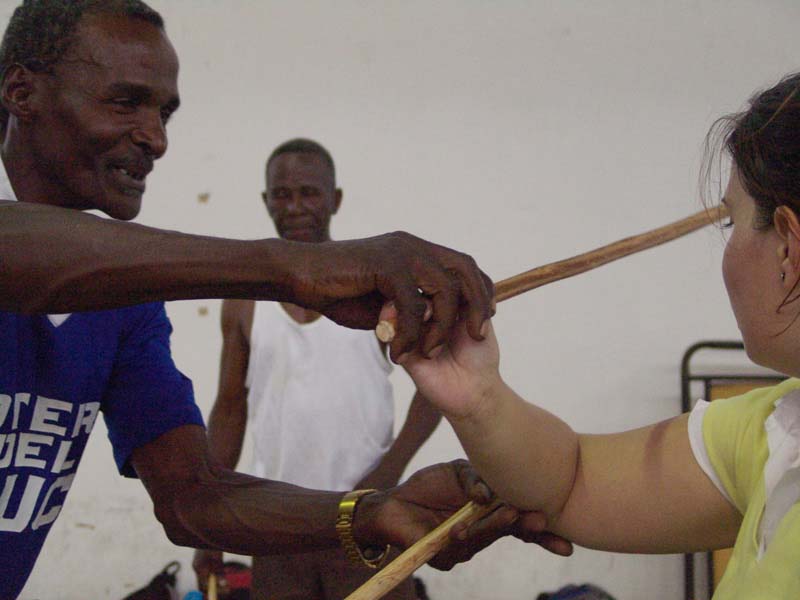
{"points": [[41, 31], [764, 143]]}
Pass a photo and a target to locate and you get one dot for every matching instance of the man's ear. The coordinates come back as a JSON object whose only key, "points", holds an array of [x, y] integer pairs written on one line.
{"points": [[265, 198], [337, 200], [17, 92], [787, 226]]}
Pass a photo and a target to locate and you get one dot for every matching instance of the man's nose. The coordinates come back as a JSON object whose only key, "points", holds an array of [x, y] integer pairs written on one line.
{"points": [[151, 134], [295, 201]]}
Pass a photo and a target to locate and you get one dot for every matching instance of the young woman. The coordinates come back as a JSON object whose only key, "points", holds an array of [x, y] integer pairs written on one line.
{"points": [[727, 473]]}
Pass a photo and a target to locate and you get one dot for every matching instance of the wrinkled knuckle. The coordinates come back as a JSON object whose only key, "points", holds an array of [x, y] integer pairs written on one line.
{"points": [[417, 308], [453, 282], [400, 237], [465, 262]]}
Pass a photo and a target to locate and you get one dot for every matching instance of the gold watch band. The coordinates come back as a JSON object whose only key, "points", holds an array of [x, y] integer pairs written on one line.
{"points": [[344, 527]]}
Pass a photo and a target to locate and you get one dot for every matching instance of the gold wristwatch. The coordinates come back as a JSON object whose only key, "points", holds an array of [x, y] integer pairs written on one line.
{"points": [[344, 527]]}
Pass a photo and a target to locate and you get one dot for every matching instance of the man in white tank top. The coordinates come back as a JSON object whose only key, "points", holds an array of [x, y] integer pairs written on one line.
{"points": [[316, 395]]}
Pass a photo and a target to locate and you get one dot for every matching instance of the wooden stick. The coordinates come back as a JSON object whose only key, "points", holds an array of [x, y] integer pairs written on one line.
{"points": [[419, 553], [212, 587], [562, 269], [513, 286]]}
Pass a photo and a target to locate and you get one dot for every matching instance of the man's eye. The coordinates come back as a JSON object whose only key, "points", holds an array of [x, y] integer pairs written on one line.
{"points": [[309, 191], [126, 103]]}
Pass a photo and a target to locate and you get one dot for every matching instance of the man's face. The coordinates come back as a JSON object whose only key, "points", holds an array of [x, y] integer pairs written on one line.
{"points": [[103, 115], [301, 196]]}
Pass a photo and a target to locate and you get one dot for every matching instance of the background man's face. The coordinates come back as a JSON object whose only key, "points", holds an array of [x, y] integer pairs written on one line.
{"points": [[301, 196], [103, 116]]}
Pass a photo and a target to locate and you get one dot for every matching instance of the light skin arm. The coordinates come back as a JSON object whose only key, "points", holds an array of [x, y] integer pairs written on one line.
{"points": [[111, 264], [420, 423], [637, 491]]}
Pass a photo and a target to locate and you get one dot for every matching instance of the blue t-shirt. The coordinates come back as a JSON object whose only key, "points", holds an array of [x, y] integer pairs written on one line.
{"points": [[53, 382]]}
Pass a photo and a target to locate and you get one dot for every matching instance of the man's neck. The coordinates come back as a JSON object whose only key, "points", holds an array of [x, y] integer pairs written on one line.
{"points": [[21, 170]]}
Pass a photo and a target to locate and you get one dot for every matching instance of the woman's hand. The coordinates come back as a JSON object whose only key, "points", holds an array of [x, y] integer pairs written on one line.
{"points": [[459, 378]]}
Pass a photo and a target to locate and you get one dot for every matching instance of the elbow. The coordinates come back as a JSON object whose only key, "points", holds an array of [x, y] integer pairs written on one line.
{"points": [[561, 502], [192, 511], [183, 510], [175, 525]]}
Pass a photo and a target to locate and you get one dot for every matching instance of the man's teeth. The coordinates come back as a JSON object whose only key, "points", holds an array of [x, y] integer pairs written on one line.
{"points": [[129, 174]]}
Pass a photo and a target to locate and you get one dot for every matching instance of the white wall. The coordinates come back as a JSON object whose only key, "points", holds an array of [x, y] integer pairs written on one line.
{"points": [[520, 132]]}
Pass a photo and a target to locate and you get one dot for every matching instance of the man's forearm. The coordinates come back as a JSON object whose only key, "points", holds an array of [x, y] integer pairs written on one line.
{"points": [[59, 260], [206, 506], [242, 514]]}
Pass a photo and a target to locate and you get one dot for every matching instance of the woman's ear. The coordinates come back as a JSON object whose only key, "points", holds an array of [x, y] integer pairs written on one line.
{"points": [[787, 226]]}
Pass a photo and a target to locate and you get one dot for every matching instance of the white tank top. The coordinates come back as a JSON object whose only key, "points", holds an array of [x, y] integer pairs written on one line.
{"points": [[320, 405]]}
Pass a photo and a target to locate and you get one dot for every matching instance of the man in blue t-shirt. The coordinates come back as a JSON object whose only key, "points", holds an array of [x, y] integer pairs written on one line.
{"points": [[86, 90]]}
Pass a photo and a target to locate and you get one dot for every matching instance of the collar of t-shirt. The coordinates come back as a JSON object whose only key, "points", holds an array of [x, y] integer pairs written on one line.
{"points": [[782, 471], [7, 193]]}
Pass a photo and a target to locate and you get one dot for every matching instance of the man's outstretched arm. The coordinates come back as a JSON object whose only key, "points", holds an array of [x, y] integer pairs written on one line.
{"points": [[58, 260]]}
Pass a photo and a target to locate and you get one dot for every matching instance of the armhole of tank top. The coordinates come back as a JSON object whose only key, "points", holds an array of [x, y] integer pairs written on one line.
{"points": [[254, 339]]}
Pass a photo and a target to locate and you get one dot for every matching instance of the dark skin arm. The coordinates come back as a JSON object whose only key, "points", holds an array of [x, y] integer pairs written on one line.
{"points": [[228, 420], [204, 505], [112, 264]]}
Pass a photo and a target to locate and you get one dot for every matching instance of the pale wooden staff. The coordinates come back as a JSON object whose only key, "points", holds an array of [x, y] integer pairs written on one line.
{"points": [[212, 587], [420, 552], [562, 269], [508, 288], [423, 550]]}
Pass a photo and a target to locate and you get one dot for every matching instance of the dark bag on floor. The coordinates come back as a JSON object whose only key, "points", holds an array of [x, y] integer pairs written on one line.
{"points": [[587, 591], [161, 587]]}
